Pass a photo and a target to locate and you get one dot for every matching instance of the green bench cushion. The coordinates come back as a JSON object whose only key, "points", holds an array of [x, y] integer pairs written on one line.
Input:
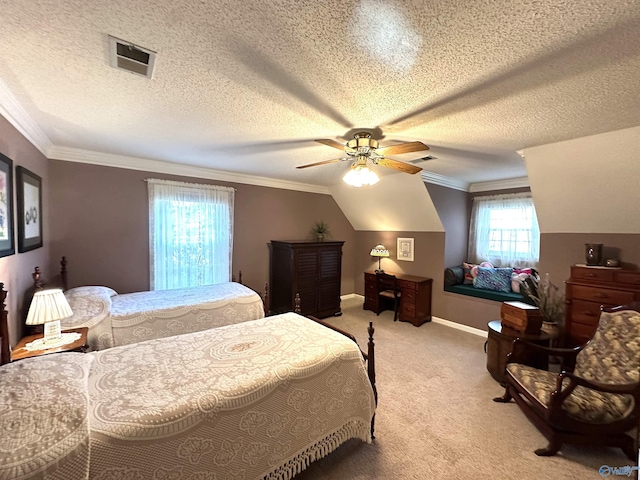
{"points": [[471, 291]]}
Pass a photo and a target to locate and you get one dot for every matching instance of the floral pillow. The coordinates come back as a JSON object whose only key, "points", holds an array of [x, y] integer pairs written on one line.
{"points": [[468, 277], [498, 279]]}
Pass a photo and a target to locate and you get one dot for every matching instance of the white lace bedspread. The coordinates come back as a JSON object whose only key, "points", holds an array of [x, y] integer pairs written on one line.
{"points": [[134, 317], [257, 400]]}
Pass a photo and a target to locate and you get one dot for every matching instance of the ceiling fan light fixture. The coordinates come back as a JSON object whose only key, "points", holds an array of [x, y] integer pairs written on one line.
{"points": [[360, 176]]}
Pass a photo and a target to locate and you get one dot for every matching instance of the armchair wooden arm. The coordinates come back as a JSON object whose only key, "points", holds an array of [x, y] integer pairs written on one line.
{"points": [[521, 352]]}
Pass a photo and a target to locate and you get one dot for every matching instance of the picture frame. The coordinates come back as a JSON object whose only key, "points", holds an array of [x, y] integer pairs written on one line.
{"points": [[405, 249], [7, 236], [29, 210]]}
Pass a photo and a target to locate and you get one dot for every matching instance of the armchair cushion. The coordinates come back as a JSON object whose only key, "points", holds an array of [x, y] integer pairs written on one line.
{"points": [[583, 404]]}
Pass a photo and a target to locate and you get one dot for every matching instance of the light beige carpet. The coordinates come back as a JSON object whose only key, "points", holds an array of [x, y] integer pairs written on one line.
{"points": [[436, 418]]}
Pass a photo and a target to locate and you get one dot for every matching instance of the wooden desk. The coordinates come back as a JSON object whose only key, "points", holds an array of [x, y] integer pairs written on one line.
{"points": [[80, 345], [415, 301]]}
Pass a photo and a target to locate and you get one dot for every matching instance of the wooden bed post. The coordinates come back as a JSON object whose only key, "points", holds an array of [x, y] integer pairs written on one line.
{"points": [[63, 273], [296, 303], [266, 300], [37, 282], [371, 370], [5, 354], [240, 277]]}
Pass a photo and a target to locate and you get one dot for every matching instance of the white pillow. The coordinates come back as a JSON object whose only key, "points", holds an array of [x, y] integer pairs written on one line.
{"points": [[90, 290]]}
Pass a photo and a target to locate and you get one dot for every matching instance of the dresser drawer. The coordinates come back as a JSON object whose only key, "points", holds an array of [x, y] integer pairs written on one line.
{"points": [[601, 295], [628, 278], [597, 274], [585, 313]]}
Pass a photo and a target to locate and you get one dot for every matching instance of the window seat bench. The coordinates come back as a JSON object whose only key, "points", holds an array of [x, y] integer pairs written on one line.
{"points": [[471, 291]]}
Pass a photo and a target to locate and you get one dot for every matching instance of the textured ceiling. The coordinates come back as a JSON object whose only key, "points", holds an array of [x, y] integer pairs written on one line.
{"points": [[246, 86]]}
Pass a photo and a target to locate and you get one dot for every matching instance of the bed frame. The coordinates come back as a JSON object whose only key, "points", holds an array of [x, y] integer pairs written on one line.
{"points": [[369, 357], [62, 282]]}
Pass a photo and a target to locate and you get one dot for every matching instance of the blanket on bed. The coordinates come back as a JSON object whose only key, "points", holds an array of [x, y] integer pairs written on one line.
{"points": [[115, 319], [257, 400]]}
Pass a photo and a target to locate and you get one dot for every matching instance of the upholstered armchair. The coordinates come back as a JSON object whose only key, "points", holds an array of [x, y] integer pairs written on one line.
{"points": [[595, 402]]}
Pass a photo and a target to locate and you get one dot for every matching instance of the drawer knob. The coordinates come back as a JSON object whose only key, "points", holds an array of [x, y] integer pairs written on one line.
{"points": [[601, 295]]}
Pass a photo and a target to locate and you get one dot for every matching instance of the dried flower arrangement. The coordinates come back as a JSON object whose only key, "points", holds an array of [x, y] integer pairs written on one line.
{"points": [[547, 297]]}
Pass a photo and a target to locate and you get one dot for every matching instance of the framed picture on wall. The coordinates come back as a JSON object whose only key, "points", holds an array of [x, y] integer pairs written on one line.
{"points": [[405, 249], [29, 210], [7, 238]]}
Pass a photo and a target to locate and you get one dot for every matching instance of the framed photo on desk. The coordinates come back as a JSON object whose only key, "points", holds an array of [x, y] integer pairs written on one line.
{"points": [[405, 249]]}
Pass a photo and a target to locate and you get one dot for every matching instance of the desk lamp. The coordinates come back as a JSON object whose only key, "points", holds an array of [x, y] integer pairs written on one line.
{"points": [[48, 307], [379, 251]]}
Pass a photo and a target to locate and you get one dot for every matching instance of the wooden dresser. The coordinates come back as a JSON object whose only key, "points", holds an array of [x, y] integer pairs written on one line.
{"points": [[312, 269], [588, 289], [415, 301]]}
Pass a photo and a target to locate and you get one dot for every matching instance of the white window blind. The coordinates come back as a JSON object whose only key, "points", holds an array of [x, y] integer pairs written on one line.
{"points": [[190, 234]]}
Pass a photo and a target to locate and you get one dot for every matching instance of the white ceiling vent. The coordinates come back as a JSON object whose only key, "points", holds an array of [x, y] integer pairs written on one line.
{"points": [[127, 56]]}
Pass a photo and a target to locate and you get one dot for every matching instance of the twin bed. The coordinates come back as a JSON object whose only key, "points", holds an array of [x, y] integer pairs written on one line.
{"points": [[250, 400]]}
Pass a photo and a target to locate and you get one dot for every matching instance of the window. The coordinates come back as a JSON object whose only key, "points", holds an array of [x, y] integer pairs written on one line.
{"points": [[504, 230], [190, 234]]}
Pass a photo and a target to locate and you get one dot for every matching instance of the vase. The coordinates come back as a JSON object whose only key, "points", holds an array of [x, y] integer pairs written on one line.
{"points": [[551, 328], [320, 237], [593, 253]]}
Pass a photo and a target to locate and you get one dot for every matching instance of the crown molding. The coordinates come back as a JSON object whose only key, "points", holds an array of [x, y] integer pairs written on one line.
{"points": [[17, 116], [519, 182], [430, 177], [157, 166]]}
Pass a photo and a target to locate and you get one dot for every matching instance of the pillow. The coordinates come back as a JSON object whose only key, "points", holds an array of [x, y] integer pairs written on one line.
{"points": [[91, 290], [487, 265], [528, 271], [89, 307], [453, 276], [517, 279], [498, 279], [468, 277]]}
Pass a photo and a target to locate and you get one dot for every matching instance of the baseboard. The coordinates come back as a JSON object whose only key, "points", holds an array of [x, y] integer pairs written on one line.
{"points": [[441, 321], [459, 326], [351, 295]]}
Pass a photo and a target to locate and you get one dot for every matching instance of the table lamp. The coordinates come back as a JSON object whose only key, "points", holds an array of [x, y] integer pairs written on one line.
{"points": [[48, 307], [379, 251]]}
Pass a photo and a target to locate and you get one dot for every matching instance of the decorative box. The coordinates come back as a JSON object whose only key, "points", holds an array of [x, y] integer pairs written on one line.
{"points": [[521, 316]]}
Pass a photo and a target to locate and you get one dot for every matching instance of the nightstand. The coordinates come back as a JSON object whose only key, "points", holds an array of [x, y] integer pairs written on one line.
{"points": [[80, 345]]}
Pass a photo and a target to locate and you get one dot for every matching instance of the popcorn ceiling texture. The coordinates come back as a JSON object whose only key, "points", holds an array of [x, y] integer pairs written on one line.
{"points": [[246, 86]]}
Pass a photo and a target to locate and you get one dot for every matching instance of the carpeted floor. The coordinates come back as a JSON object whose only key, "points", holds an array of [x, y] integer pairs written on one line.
{"points": [[436, 418]]}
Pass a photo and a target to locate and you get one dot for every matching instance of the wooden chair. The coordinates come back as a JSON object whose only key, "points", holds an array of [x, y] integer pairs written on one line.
{"points": [[388, 290], [595, 403]]}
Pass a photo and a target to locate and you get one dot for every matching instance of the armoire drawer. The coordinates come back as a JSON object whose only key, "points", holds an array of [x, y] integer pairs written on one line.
{"points": [[593, 274]]}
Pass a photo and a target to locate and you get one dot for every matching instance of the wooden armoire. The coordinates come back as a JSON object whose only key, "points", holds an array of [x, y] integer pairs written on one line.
{"points": [[312, 269]]}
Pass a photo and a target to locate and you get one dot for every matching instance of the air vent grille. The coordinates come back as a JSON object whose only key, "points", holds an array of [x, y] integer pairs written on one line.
{"points": [[132, 58], [423, 159]]}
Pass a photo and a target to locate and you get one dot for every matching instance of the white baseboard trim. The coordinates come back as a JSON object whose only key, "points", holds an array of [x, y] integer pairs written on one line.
{"points": [[441, 321], [459, 326], [351, 295]]}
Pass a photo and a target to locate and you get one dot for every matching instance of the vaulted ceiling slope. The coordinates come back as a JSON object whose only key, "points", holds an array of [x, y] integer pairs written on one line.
{"points": [[245, 87]]}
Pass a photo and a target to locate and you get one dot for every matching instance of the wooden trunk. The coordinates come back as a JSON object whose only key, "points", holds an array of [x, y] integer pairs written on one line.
{"points": [[521, 317]]}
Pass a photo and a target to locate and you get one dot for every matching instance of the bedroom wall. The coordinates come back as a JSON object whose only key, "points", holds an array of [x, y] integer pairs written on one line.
{"points": [[16, 269], [100, 223]]}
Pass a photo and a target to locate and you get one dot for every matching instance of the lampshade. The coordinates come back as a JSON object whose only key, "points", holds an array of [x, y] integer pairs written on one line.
{"points": [[48, 306], [360, 175], [379, 251]]}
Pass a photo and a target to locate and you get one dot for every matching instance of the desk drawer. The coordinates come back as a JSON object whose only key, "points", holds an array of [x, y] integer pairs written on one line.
{"points": [[602, 295], [409, 309], [404, 284], [408, 296]]}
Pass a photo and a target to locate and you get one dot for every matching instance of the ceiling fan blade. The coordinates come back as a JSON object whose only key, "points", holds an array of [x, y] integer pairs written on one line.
{"points": [[334, 144], [324, 162], [401, 148], [396, 165]]}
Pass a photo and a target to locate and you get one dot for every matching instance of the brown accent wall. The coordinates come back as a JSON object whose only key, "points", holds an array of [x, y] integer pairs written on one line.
{"points": [[559, 251], [100, 223], [15, 270]]}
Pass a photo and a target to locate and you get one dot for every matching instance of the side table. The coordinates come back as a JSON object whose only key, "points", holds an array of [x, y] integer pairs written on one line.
{"points": [[499, 345], [80, 345]]}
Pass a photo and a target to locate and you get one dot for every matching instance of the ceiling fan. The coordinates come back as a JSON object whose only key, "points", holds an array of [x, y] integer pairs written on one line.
{"points": [[362, 149]]}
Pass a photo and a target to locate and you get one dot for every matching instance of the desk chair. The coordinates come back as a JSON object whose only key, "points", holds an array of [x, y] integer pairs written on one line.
{"points": [[388, 290]]}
